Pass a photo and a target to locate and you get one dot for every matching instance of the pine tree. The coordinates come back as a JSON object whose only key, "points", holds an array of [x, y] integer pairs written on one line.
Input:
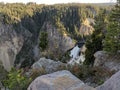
{"points": [[95, 42], [112, 39], [43, 40], [16, 80]]}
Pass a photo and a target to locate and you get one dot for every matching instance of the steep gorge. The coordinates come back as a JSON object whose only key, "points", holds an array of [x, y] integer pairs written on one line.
{"points": [[19, 42]]}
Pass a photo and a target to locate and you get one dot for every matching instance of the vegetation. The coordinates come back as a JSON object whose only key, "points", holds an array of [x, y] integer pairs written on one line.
{"points": [[68, 17], [16, 80], [93, 75], [12, 13], [43, 40], [94, 43], [112, 39], [65, 58]]}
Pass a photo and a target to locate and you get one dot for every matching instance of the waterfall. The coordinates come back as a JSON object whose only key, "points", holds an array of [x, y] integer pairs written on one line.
{"points": [[75, 52], [76, 55]]}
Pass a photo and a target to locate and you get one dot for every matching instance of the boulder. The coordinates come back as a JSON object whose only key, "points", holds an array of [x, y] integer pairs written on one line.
{"points": [[49, 65], [61, 80], [100, 58], [110, 62], [111, 84]]}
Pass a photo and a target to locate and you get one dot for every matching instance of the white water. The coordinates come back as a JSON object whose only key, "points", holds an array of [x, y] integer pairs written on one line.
{"points": [[75, 57], [75, 52]]}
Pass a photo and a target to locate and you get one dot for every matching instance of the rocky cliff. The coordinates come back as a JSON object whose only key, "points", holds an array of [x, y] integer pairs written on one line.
{"points": [[58, 42], [11, 43], [16, 46], [19, 31], [19, 45], [86, 27]]}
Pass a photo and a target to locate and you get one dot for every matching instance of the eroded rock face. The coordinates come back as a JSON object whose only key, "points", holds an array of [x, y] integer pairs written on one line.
{"points": [[86, 27], [19, 44], [10, 44], [58, 43], [111, 62], [12, 39], [61, 80], [48, 64], [111, 84], [57, 39]]}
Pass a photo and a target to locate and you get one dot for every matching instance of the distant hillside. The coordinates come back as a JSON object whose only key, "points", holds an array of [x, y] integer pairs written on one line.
{"points": [[92, 4], [104, 4]]}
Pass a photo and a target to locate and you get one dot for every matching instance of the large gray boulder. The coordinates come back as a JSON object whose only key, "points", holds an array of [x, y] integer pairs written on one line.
{"points": [[100, 58], [61, 80], [110, 62], [48, 64], [111, 84]]}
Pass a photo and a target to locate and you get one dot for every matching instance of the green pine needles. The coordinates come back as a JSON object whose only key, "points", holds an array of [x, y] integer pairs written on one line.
{"points": [[112, 39]]}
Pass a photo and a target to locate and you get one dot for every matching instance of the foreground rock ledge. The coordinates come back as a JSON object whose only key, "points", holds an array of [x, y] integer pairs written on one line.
{"points": [[111, 84], [61, 80]]}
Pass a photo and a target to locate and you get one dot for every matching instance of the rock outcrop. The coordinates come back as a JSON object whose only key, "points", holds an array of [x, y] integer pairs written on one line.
{"points": [[111, 62], [86, 28], [58, 42], [61, 80], [100, 58], [111, 84], [10, 44], [57, 39], [49, 65], [19, 45]]}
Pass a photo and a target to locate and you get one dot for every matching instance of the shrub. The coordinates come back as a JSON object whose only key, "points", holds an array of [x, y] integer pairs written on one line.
{"points": [[43, 40], [16, 80], [96, 75]]}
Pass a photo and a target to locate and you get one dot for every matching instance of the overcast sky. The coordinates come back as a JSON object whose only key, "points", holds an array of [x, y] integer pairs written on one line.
{"points": [[59, 1]]}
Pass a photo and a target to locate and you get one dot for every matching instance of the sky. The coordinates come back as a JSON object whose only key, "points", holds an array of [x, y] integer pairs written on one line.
{"points": [[58, 1]]}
